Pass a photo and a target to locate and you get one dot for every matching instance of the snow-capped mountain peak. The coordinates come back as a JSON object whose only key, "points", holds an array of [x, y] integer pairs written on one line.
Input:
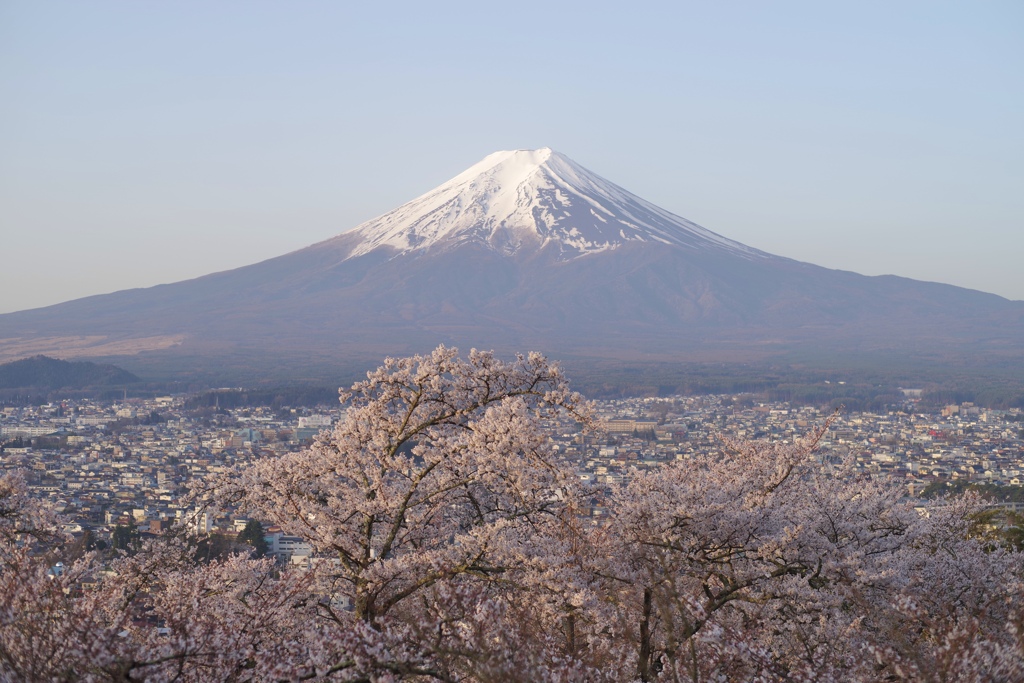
{"points": [[528, 199]]}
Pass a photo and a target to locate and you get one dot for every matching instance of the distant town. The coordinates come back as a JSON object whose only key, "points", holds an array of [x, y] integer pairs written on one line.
{"points": [[127, 464]]}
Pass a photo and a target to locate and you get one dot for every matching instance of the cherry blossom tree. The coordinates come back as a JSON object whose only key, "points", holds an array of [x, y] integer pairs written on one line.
{"points": [[449, 544], [158, 616], [763, 562], [439, 479]]}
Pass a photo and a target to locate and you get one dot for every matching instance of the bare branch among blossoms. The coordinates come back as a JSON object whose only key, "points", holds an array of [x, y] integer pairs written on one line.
{"points": [[23, 519]]}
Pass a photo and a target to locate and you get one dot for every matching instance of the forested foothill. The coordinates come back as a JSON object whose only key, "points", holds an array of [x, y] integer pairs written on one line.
{"points": [[449, 545]]}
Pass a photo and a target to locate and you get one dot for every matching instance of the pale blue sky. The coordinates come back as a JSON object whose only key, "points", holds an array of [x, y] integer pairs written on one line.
{"points": [[146, 142]]}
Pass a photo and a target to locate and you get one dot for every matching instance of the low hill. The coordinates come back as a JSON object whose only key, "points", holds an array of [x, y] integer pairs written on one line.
{"points": [[43, 372]]}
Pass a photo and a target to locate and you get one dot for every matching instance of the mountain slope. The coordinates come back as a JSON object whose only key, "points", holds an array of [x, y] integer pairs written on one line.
{"points": [[525, 250]]}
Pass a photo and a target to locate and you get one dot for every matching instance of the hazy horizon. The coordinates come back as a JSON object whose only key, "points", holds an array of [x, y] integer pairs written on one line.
{"points": [[146, 144]]}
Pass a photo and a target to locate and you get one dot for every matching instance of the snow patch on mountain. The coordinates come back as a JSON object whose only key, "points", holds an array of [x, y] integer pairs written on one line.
{"points": [[520, 200]]}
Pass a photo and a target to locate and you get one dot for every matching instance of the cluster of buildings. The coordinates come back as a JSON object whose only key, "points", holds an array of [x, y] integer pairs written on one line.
{"points": [[128, 463], [915, 448]]}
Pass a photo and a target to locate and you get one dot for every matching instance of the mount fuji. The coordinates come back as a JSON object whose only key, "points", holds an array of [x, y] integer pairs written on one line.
{"points": [[526, 200], [524, 250]]}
